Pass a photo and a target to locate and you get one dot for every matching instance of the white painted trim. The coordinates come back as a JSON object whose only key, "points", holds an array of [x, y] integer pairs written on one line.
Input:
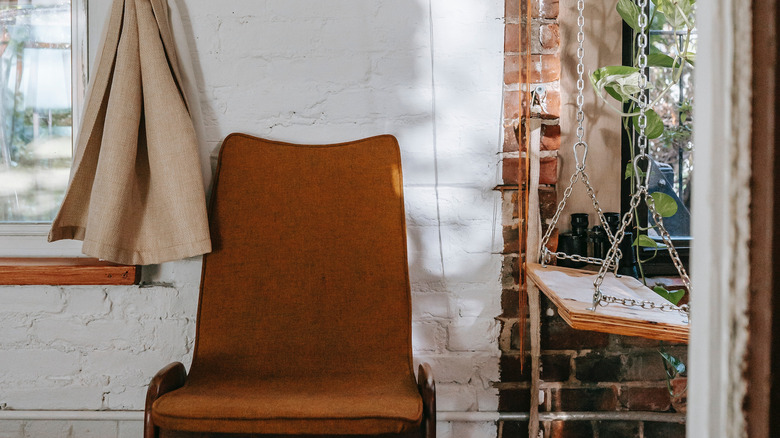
{"points": [[470, 417], [79, 60], [72, 415], [720, 264], [27, 245], [30, 240]]}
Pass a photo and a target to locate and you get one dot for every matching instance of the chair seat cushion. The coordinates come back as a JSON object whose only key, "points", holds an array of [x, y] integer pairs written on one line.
{"points": [[286, 406]]}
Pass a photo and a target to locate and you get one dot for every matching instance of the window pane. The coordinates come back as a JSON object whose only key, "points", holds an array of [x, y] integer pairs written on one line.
{"points": [[35, 108], [673, 151]]}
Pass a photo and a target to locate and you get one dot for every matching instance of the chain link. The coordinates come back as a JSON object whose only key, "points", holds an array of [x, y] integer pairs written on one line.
{"points": [[573, 257], [599, 299], [546, 255], [659, 221], [613, 250], [645, 304], [561, 205], [580, 70], [596, 206], [611, 261]]}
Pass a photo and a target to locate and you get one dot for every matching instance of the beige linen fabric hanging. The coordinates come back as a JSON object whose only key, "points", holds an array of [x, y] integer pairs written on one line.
{"points": [[136, 193]]}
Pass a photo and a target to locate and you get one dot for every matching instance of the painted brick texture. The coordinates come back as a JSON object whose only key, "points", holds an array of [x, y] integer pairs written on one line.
{"points": [[307, 72], [96, 350]]}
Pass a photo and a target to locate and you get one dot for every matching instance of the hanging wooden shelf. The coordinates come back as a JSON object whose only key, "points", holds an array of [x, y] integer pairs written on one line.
{"points": [[572, 292]]}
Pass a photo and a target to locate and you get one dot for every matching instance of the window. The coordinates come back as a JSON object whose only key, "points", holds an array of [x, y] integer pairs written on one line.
{"points": [[42, 81], [673, 152]]}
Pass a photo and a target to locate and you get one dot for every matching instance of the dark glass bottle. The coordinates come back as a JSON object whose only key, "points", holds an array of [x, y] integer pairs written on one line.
{"points": [[613, 221], [576, 241], [599, 241], [628, 261]]}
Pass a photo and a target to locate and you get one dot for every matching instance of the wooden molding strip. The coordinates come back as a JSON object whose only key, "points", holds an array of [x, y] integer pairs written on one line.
{"points": [[65, 272]]}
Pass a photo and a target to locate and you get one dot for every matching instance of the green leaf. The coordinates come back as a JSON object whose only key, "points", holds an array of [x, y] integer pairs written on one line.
{"points": [[660, 60], [665, 205], [629, 11], [690, 57], [676, 364], [610, 70], [655, 126], [611, 91], [643, 240], [672, 297], [619, 81], [630, 171], [678, 13]]}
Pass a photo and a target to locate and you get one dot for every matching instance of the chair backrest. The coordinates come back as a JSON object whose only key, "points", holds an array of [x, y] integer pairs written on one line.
{"points": [[309, 269]]}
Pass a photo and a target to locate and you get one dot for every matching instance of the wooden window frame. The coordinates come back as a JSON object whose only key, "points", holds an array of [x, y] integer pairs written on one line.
{"points": [[65, 272]]}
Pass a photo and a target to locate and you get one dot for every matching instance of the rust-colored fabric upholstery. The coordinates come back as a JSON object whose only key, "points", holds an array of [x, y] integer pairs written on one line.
{"points": [[304, 322]]}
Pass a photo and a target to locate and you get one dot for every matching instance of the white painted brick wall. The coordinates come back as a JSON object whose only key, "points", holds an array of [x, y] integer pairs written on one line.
{"points": [[302, 71]]}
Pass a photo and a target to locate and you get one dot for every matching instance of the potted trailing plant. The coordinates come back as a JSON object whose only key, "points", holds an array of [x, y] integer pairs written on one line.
{"points": [[676, 380]]}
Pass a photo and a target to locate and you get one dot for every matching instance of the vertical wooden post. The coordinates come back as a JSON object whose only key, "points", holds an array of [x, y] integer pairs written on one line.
{"points": [[535, 318], [763, 401]]}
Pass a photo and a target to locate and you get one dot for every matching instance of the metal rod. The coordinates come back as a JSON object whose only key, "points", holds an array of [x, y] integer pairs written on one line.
{"points": [[444, 416], [655, 417]]}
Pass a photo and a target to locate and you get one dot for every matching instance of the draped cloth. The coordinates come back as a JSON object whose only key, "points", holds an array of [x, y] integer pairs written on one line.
{"points": [[136, 193]]}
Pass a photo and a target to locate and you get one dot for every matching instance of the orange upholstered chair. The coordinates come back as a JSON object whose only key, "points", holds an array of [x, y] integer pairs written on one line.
{"points": [[304, 319]]}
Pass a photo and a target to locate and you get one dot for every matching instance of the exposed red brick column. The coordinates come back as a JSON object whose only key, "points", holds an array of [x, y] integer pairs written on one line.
{"points": [[514, 388]]}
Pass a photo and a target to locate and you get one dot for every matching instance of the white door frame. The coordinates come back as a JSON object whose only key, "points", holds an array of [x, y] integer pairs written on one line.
{"points": [[720, 223]]}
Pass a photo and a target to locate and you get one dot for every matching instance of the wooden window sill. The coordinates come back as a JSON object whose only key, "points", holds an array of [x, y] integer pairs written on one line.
{"points": [[65, 272]]}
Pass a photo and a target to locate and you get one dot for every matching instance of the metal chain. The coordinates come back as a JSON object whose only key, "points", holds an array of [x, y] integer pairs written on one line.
{"points": [[577, 258], [665, 307], [641, 42], [580, 70], [597, 207], [545, 254], [659, 221], [642, 122], [613, 250], [611, 260], [599, 299]]}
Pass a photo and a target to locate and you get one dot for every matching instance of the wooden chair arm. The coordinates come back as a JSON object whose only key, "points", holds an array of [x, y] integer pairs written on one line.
{"points": [[427, 386], [166, 380]]}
